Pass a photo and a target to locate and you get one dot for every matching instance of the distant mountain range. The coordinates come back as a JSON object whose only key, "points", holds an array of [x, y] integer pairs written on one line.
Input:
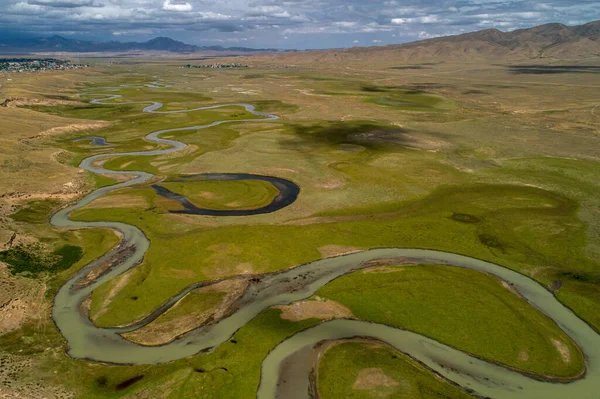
{"points": [[545, 41], [550, 41], [57, 44]]}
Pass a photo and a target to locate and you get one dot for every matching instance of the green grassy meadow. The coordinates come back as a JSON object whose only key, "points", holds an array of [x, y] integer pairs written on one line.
{"points": [[246, 194], [374, 370], [455, 306], [502, 235]]}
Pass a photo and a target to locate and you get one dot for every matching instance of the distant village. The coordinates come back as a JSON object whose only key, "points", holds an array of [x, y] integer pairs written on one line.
{"points": [[36, 65], [217, 66]]}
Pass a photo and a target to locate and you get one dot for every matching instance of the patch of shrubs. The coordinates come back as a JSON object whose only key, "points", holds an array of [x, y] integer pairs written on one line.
{"points": [[32, 259], [492, 242], [36, 212], [582, 277]]}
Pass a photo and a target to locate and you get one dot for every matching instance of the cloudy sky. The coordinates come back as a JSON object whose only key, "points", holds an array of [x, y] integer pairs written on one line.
{"points": [[283, 24]]}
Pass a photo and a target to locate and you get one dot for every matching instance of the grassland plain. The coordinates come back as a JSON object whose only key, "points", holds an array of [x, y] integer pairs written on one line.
{"points": [[469, 159]]}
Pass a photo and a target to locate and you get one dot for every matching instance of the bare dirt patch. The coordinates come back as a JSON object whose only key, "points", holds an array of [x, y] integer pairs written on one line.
{"points": [[323, 310], [509, 287], [66, 191], [423, 143], [158, 163], [383, 269], [118, 177], [331, 184], [21, 300], [99, 163], [72, 128], [245, 268], [328, 251], [523, 355], [167, 168], [563, 349], [373, 378], [86, 306], [13, 314], [20, 197], [21, 101], [310, 92], [207, 195], [108, 263]]}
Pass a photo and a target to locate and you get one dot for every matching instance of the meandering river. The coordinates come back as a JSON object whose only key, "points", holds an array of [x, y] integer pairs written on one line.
{"points": [[86, 341]]}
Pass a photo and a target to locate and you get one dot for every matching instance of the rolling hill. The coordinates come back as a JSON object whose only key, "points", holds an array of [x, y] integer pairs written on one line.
{"points": [[549, 41]]}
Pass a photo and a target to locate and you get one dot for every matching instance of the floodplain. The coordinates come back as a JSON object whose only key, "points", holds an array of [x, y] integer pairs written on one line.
{"points": [[477, 160]]}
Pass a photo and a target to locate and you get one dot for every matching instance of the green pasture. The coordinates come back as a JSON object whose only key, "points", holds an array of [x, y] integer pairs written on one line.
{"points": [[398, 97], [196, 301], [462, 308], [244, 194], [340, 369], [506, 234]]}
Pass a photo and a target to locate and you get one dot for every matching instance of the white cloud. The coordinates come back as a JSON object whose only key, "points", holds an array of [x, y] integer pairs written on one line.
{"points": [[526, 15], [181, 7], [26, 8], [425, 35], [345, 24], [211, 16], [428, 19], [329, 23]]}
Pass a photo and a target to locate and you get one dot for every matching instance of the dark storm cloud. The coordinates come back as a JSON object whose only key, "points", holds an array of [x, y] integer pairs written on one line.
{"points": [[287, 23]]}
